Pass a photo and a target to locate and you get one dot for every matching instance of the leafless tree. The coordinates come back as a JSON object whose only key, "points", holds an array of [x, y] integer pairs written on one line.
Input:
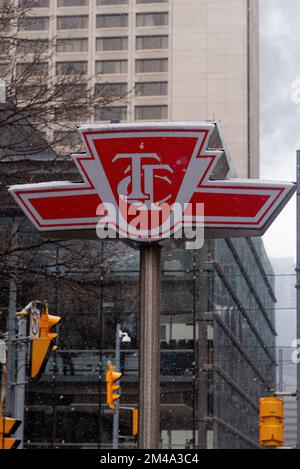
{"points": [[43, 103], [40, 110]]}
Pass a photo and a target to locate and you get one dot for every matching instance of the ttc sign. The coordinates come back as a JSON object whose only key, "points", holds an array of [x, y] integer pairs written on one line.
{"points": [[145, 182]]}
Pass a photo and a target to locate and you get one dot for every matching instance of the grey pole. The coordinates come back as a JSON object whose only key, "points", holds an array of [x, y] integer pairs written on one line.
{"points": [[21, 378], [149, 350], [298, 295], [3, 384], [280, 363], [116, 422], [11, 348]]}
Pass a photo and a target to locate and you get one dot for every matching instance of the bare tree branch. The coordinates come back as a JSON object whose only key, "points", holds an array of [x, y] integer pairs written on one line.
{"points": [[43, 106]]}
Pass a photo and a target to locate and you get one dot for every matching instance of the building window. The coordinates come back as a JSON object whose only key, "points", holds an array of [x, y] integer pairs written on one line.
{"points": [[4, 47], [111, 90], [32, 69], [71, 139], [72, 45], [37, 46], [152, 1], [112, 21], [151, 65], [111, 43], [111, 113], [152, 42], [35, 24], [3, 70], [71, 68], [159, 88], [151, 112], [71, 91], [34, 3], [76, 114], [72, 3], [111, 66], [112, 2], [31, 93], [152, 19], [72, 22]]}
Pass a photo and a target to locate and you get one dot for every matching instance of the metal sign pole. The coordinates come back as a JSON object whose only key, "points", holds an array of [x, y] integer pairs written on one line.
{"points": [[3, 386], [116, 420], [298, 296], [21, 378], [11, 348], [149, 348]]}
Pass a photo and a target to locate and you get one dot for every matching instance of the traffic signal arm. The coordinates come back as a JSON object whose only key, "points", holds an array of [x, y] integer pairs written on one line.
{"points": [[8, 426]]}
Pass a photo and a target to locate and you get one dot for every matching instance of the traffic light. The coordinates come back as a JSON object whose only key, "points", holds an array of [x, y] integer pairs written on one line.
{"points": [[47, 322], [135, 422], [8, 427], [43, 345], [271, 422], [112, 377]]}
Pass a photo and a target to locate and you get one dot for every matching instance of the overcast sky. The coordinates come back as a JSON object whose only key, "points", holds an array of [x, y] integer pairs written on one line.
{"points": [[280, 110]]}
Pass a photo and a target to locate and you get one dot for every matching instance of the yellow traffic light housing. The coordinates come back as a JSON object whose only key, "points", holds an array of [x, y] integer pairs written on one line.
{"points": [[8, 426], [47, 322], [43, 345], [112, 377], [135, 422], [271, 422], [40, 351]]}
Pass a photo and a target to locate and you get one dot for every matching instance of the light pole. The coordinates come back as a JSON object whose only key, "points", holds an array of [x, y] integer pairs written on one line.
{"points": [[120, 337], [21, 377], [11, 347]]}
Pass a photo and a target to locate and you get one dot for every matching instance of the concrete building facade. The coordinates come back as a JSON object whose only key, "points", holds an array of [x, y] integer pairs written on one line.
{"points": [[189, 60]]}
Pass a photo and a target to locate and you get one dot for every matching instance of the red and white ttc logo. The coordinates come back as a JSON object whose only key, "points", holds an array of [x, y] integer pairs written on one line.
{"points": [[142, 177], [165, 167]]}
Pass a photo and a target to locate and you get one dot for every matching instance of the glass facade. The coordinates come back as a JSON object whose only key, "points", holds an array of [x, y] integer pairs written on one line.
{"points": [[244, 358]]}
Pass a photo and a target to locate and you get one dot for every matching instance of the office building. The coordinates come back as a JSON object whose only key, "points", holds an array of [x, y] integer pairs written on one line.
{"points": [[189, 60], [175, 60]]}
